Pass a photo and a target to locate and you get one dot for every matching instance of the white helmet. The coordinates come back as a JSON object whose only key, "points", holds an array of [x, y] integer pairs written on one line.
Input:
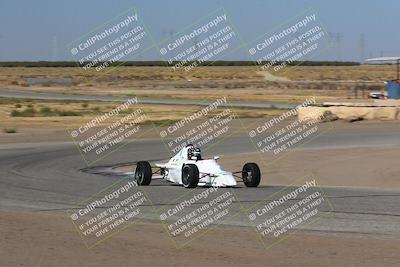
{"points": [[193, 152]]}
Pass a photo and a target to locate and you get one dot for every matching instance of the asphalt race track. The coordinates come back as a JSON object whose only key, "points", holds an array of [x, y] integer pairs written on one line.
{"points": [[8, 93], [49, 177]]}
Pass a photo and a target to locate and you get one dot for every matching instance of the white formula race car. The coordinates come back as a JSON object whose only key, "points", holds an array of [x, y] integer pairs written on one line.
{"points": [[189, 169]]}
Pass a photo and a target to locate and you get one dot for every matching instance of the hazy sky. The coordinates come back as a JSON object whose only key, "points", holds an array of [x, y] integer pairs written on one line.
{"points": [[42, 29]]}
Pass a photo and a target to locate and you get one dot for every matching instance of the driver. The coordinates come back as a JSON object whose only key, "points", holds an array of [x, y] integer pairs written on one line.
{"points": [[193, 153]]}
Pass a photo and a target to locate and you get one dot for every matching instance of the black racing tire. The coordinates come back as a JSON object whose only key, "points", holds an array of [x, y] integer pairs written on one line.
{"points": [[190, 175], [251, 175], [143, 173]]}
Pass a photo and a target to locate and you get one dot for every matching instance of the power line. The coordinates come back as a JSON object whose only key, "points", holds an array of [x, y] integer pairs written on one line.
{"points": [[362, 47]]}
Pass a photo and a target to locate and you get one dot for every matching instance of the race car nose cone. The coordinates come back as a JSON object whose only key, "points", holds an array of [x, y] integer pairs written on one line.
{"points": [[225, 180]]}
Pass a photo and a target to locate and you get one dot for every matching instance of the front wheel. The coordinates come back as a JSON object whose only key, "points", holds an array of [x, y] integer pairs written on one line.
{"points": [[251, 175], [190, 175], [143, 173]]}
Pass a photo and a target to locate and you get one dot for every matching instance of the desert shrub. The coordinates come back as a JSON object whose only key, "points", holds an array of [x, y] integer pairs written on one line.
{"points": [[43, 112], [29, 112], [64, 113], [10, 130]]}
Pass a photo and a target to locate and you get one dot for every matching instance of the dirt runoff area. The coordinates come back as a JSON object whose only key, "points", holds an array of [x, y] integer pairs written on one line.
{"points": [[43, 239]]}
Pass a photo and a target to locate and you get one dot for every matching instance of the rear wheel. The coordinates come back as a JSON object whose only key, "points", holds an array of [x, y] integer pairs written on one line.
{"points": [[190, 175], [251, 174], [143, 173]]}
